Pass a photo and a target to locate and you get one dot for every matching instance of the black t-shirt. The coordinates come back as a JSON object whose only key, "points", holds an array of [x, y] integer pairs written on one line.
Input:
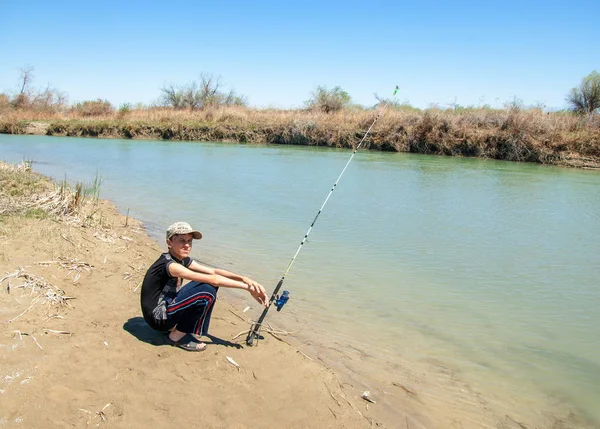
{"points": [[158, 289]]}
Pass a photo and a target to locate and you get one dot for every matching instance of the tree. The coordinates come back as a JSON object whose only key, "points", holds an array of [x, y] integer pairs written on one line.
{"points": [[30, 97], [23, 97], [197, 95], [328, 100], [586, 97]]}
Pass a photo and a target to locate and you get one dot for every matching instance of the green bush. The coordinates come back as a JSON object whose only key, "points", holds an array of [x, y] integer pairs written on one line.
{"points": [[124, 110], [586, 97], [328, 100]]}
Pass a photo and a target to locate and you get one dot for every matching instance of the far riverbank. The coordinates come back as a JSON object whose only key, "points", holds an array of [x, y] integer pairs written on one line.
{"points": [[521, 135]]}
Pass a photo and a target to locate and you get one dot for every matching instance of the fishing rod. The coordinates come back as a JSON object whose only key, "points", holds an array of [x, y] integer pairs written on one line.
{"points": [[280, 301]]}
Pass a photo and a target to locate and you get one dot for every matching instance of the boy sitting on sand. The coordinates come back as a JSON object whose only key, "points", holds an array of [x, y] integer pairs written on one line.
{"points": [[168, 306]]}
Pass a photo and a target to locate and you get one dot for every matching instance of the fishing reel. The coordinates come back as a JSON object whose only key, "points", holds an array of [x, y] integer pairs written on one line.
{"points": [[253, 334], [281, 300]]}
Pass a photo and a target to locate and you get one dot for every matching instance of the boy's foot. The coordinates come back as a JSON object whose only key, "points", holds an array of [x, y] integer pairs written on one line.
{"points": [[188, 343]]}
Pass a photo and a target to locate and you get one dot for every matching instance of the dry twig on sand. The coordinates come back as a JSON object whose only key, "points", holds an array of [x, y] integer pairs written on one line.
{"points": [[15, 274], [275, 333], [36, 341], [100, 413], [69, 240], [305, 355], [406, 389], [53, 331], [351, 405], [8, 276], [237, 315], [73, 265], [20, 334], [26, 310], [234, 363], [241, 333], [106, 238], [334, 415], [334, 398], [43, 289]]}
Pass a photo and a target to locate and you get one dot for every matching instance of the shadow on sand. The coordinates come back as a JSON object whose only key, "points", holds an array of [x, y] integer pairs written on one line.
{"points": [[138, 327]]}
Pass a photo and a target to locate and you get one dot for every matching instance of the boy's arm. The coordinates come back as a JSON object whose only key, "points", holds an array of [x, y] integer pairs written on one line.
{"points": [[195, 266], [178, 270]]}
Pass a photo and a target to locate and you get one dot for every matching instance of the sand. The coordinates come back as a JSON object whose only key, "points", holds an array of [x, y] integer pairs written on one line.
{"points": [[90, 360]]}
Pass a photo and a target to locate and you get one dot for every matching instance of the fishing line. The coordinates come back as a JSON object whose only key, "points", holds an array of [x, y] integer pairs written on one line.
{"points": [[281, 300]]}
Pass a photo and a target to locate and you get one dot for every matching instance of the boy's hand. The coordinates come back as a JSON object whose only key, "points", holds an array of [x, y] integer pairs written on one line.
{"points": [[256, 290], [260, 296]]}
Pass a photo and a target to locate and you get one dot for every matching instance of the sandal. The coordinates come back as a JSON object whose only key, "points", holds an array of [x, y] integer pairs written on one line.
{"points": [[188, 343]]}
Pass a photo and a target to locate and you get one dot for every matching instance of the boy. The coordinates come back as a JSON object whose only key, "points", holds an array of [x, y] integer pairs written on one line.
{"points": [[168, 306]]}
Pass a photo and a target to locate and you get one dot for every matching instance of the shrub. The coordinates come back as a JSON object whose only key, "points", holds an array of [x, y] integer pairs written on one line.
{"points": [[586, 97], [198, 95], [93, 108], [124, 110], [328, 100], [4, 101]]}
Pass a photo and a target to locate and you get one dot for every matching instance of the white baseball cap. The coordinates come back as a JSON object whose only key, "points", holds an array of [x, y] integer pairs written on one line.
{"points": [[179, 228]]}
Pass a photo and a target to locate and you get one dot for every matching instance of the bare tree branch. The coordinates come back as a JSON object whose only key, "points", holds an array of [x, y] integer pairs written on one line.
{"points": [[207, 92], [25, 78]]}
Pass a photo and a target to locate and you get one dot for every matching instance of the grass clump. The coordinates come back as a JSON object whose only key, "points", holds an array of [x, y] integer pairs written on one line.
{"points": [[28, 194], [18, 181], [92, 190], [36, 213]]}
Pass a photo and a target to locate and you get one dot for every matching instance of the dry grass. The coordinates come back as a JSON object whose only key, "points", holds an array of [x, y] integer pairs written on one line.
{"points": [[17, 181], [28, 194], [514, 134]]}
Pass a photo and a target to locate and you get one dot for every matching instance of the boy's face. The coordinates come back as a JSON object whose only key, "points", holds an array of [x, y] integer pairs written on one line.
{"points": [[180, 245]]}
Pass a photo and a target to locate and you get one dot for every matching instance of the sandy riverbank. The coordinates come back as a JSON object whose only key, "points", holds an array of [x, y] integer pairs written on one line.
{"points": [[75, 351]]}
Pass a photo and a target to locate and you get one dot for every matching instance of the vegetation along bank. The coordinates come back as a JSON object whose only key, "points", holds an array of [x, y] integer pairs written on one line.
{"points": [[202, 112]]}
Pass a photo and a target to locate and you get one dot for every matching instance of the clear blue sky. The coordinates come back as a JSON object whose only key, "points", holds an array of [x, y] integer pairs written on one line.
{"points": [[277, 52]]}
